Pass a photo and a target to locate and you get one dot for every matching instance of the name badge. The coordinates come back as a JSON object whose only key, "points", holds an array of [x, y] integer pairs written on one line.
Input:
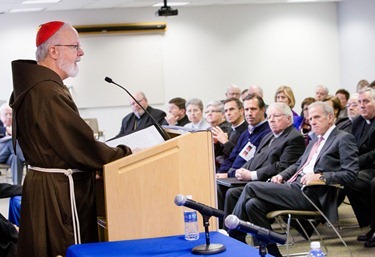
{"points": [[248, 151]]}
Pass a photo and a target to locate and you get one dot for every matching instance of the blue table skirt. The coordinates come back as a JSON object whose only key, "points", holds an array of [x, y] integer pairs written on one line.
{"points": [[162, 246]]}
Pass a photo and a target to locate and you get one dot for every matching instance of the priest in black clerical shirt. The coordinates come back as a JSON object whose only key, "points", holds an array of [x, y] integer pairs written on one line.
{"points": [[138, 119]]}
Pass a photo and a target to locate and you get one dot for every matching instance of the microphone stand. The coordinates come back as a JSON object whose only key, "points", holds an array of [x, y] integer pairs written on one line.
{"points": [[208, 248], [157, 125]]}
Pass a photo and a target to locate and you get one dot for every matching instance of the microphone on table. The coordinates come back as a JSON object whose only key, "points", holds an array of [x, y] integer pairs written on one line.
{"points": [[181, 200], [157, 125], [262, 234]]}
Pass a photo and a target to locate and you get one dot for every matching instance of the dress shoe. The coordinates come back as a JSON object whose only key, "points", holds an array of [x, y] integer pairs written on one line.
{"points": [[371, 242], [367, 236]]}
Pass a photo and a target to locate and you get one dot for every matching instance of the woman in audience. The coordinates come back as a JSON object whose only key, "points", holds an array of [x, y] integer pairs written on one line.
{"points": [[284, 94], [343, 123], [194, 111], [215, 115], [305, 127]]}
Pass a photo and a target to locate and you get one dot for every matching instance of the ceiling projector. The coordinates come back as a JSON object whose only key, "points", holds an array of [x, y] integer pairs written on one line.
{"points": [[166, 10]]}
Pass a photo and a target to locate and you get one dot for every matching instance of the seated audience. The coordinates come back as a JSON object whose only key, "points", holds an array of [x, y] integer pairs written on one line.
{"points": [[176, 115], [284, 94], [321, 93], [138, 119], [305, 127], [342, 123], [343, 95], [14, 159], [194, 111], [276, 152], [359, 192], [226, 141], [331, 158], [8, 230], [249, 139]]}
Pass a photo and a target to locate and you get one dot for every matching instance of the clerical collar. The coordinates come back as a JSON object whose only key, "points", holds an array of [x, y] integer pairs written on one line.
{"points": [[234, 127]]}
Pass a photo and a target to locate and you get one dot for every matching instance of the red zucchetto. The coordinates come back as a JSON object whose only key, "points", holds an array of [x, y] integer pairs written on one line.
{"points": [[46, 30]]}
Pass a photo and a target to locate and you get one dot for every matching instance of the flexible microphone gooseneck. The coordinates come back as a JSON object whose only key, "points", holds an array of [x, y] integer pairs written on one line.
{"points": [[262, 234], [181, 200], [158, 127]]}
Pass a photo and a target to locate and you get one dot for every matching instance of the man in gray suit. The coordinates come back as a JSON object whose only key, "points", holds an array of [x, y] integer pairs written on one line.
{"points": [[332, 158], [276, 152]]}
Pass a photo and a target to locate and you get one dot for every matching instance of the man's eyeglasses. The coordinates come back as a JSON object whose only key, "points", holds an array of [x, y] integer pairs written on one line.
{"points": [[351, 104], [275, 116], [75, 47]]}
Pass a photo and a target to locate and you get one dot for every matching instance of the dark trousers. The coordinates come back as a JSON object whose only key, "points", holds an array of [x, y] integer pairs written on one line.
{"points": [[362, 196]]}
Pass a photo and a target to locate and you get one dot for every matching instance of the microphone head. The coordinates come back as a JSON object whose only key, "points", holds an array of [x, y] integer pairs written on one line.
{"points": [[180, 200], [232, 221], [109, 80]]}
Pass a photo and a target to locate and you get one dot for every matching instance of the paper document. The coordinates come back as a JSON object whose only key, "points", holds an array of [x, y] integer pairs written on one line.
{"points": [[139, 140]]}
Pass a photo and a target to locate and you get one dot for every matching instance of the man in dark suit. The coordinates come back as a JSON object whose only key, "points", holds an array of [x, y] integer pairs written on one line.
{"points": [[359, 192], [276, 152], [332, 158], [138, 119]]}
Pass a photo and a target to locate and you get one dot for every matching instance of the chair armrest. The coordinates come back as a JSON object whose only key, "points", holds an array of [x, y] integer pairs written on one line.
{"points": [[321, 183]]}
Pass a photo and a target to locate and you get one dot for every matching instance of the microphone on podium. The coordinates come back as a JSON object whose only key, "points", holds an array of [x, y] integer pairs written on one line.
{"points": [[262, 234], [181, 200], [156, 123]]}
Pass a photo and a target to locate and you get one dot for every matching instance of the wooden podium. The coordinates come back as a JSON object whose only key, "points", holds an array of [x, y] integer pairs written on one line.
{"points": [[139, 189]]}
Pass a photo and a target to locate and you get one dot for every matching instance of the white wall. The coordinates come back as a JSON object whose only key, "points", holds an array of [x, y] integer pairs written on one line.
{"points": [[207, 48], [357, 39]]}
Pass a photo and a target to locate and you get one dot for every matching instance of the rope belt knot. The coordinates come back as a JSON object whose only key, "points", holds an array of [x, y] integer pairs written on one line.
{"points": [[73, 206]]}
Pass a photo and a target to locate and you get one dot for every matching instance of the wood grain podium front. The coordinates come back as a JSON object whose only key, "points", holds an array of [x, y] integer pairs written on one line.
{"points": [[139, 189]]}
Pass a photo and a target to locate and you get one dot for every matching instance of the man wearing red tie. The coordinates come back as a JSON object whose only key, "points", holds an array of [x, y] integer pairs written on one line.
{"points": [[331, 158]]}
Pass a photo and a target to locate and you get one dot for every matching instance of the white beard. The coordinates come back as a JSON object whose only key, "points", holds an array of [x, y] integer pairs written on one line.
{"points": [[70, 69]]}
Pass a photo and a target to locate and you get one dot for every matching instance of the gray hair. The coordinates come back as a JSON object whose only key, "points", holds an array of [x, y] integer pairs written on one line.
{"points": [[327, 109], [284, 108], [42, 50], [217, 105], [195, 101], [324, 88], [368, 89]]}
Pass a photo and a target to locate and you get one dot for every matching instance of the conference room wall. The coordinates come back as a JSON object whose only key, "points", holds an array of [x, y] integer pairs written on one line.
{"points": [[205, 49], [356, 37]]}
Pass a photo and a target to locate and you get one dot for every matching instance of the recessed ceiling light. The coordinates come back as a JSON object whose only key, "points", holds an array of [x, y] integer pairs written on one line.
{"points": [[26, 10], [40, 1], [171, 4]]}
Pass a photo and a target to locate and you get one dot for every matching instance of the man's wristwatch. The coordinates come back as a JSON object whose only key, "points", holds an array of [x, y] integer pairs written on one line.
{"points": [[322, 178]]}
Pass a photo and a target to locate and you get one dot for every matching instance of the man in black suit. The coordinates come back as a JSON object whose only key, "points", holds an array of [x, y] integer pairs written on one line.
{"points": [[276, 152], [138, 119], [359, 193], [331, 158]]}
